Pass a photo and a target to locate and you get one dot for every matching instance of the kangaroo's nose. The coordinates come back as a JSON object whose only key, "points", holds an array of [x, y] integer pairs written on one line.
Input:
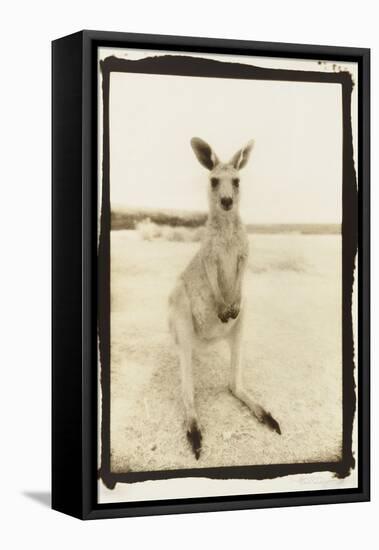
{"points": [[226, 202]]}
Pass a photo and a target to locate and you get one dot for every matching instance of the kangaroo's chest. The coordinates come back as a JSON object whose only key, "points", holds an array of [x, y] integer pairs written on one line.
{"points": [[227, 268], [228, 253]]}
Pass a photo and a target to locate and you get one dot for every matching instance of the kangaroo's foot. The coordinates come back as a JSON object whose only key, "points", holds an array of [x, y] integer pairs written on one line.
{"points": [[259, 412], [194, 438]]}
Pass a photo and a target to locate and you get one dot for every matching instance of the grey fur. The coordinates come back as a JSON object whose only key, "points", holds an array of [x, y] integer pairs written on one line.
{"points": [[207, 304]]}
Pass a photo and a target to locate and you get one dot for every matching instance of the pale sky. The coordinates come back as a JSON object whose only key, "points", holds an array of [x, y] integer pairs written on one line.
{"points": [[294, 174]]}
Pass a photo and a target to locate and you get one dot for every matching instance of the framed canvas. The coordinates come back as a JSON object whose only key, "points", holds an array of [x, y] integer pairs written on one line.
{"points": [[210, 275]]}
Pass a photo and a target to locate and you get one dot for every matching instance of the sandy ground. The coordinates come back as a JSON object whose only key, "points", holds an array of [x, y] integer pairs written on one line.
{"points": [[292, 358]]}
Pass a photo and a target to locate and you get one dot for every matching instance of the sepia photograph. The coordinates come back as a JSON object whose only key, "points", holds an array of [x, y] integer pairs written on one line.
{"points": [[228, 351]]}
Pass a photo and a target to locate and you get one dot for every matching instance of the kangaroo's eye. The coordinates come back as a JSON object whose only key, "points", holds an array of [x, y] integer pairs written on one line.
{"points": [[215, 182], [236, 182]]}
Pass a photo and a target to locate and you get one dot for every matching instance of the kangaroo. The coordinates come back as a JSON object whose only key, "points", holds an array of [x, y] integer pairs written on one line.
{"points": [[207, 304]]}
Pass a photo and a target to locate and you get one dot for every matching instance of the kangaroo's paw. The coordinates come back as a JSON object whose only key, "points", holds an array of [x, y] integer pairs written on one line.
{"points": [[234, 311], [228, 312], [224, 315], [194, 437]]}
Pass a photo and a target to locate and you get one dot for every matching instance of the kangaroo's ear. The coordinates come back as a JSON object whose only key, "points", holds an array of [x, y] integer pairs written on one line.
{"points": [[239, 160], [204, 153]]}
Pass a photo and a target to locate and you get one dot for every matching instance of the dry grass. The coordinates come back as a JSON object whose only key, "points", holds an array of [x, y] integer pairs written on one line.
{"points": [[292, 357]]}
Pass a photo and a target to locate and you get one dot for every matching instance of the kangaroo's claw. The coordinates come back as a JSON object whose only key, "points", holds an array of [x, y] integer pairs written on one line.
{"points": [[271, 423], [224, 315], [224, 318], [194, 437], [234, 312]]}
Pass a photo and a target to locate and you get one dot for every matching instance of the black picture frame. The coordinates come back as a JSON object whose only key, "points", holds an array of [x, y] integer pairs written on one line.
{"points": [[77, 277]]}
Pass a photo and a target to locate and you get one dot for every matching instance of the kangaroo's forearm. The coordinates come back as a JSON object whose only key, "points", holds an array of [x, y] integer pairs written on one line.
{"points": [[241, 267], [211, 271]]}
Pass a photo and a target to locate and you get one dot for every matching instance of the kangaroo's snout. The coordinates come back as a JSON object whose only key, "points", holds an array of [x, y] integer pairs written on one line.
{"points": [[226, 202]]}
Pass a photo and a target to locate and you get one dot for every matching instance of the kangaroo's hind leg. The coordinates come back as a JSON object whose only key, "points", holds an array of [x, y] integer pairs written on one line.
{"points": [[236, 383], [181, 326]]}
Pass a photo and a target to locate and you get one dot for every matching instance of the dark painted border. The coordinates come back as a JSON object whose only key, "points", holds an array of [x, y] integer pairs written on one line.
{"points": [[208, 68]]}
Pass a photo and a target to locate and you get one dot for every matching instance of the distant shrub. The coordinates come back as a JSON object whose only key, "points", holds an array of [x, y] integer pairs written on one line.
{"points": [[150, 230]]}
